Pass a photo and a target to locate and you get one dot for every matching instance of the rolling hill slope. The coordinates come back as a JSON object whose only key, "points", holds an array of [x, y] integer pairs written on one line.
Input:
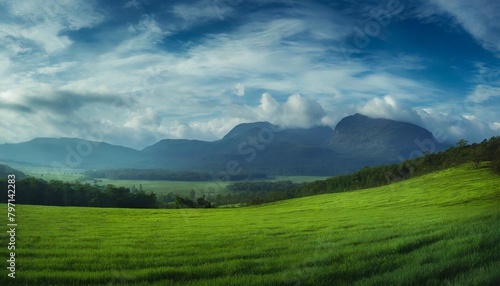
{"points": [[437, 229]]}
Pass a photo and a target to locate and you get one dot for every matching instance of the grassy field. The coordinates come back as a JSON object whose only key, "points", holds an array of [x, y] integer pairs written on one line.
{"points": [[201, 188], [157, 186], [438, 229]]}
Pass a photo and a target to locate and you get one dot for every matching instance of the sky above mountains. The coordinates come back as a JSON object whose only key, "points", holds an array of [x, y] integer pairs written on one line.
{"points": [[135, 72]]}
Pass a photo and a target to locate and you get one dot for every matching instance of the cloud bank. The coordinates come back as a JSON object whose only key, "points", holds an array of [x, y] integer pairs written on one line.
{"points": [[140, 71]]}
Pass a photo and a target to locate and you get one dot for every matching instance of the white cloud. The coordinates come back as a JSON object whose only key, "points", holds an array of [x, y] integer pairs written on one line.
{"points": [[43, 22], [268, 107], [57, 68], [47, 36], [479, 18], [71, 15], [456, 131], [188, 93], [209, 130], [495, 126], [302, 112], [133, 4], [450, 123], [4, 63], [474, 121], [239, 89], [297, 111], [483, 93], [10, 96], [388, 107], [144, 36], [487, 82], [146, 118], [470, 117], [200, 11]]}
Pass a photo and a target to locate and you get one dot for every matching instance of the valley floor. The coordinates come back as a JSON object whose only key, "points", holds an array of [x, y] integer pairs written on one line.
{"points": [[438, 229]]}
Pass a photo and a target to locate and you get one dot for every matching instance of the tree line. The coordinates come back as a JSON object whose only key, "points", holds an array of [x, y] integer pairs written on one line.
{"points": [[40, 192], [35, 191], [163, 174], [252, 193]]}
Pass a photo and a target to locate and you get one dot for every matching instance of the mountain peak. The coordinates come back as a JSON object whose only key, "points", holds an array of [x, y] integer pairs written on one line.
{"points": [[245, 128], [358, 115], [357, 141], [364, 133]]}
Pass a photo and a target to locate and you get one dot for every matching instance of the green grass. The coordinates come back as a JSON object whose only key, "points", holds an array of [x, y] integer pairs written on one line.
{"points": [[201, 188], [157, 186], [438, 229], [177, 187]]}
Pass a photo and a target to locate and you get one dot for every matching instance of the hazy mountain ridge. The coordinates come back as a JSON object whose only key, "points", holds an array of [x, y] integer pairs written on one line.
{"points": [[70, 152], [378, 136], [356, 141], [5, 171]]}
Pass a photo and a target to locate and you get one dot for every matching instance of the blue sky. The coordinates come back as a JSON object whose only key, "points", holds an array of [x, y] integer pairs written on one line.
{"points": [[135, 72]]}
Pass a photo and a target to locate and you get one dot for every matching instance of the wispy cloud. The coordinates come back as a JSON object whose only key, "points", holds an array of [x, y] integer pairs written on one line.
{"points": [[146, 71], [487, 84], [479, 18], [43, 23]]}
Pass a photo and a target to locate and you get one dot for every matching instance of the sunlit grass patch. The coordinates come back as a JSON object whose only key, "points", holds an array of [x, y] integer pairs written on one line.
{"points": [[438, 229]]}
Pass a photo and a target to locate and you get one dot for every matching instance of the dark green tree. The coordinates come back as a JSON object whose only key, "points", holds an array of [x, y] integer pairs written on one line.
{"points": [[496, 162], [462, 143], [203, 203], [477, 155]]}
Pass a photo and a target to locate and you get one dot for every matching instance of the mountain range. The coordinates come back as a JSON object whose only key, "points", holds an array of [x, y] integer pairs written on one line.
{"points": [[357, 141]]}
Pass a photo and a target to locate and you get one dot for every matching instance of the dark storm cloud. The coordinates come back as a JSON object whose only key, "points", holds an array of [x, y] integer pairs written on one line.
{"points": [[16, 107], [66, 102]]}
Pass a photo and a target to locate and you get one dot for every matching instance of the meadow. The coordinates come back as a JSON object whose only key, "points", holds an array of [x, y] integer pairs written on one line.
{"points": [[159, 187], [163, 187], [439, 229]]}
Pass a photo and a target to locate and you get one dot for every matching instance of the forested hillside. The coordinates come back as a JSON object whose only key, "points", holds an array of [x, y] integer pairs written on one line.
{"points": [[474, 154], [6, 170], [37, 191]]}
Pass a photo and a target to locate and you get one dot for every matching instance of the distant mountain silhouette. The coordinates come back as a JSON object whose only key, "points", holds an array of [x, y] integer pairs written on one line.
{"points": [[246, 129], [70, 152], [5, 171], [382, 137], [255, 146], [356, 141]]}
